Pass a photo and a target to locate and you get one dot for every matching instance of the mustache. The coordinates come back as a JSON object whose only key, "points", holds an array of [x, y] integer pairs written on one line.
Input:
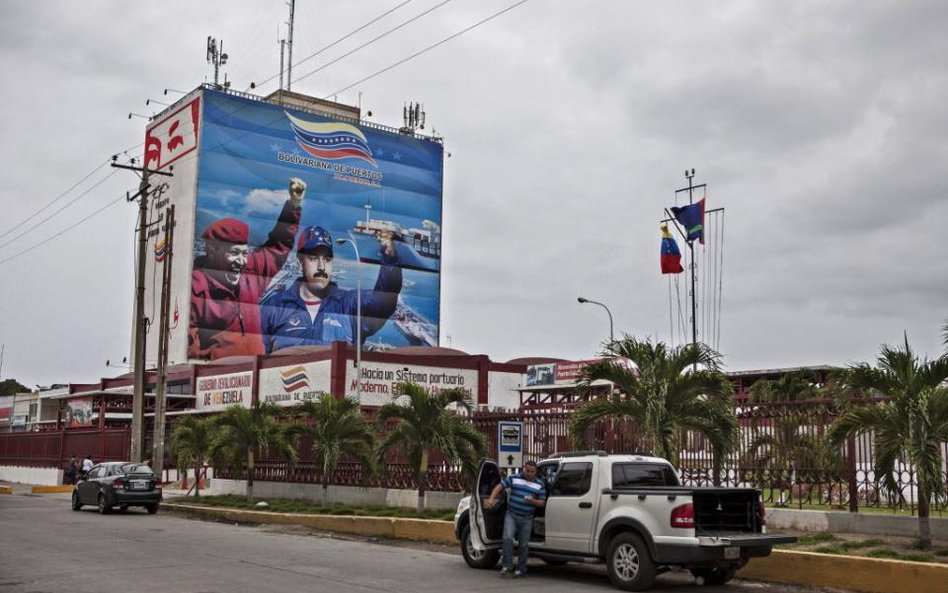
{"points": [[321, 275]]}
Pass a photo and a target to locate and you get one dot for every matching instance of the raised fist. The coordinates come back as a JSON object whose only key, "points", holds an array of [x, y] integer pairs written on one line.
{"points": [[297, 190]]}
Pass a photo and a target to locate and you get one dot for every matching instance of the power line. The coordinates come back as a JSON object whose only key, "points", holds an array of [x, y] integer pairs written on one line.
{"points": [[371, 41], [62, 232], [68, 204], [53, 201], [429, 48], [341, 39]]}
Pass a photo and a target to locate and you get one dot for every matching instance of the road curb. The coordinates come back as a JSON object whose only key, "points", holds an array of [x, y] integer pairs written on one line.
{"points": [[866, 575], [4, 489], [51, 489], [441, 532]]}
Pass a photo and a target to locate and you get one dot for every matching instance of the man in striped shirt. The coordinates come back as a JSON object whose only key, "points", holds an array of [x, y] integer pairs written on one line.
{"points": [[525, 492]]}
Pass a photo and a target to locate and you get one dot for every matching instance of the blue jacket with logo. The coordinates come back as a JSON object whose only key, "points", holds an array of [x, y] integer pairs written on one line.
{"points": [[285, 321]]}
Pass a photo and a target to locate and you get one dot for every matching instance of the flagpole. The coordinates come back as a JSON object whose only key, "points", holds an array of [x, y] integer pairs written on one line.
{"points": [[691, 248]]}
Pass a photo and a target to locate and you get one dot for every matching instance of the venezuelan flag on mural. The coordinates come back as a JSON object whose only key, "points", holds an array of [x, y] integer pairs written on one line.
{"points": [[671, 256], [692, 218]]}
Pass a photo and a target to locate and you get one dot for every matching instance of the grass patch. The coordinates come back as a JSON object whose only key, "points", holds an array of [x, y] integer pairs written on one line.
{"points": [[862, 544], [279, 505], [832, 549], [917, 557], [941, 551], [808, 539], [884, 553]]}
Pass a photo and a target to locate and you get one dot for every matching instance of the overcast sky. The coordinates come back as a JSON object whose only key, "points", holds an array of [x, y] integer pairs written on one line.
{"points": [[820, 126]]}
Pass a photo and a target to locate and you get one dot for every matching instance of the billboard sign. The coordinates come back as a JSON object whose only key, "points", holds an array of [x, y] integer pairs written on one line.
{"points": [[6, 409], [564, 373], [79, 412], [219, 392], [378, 380], [290, 385], [280, 215]]}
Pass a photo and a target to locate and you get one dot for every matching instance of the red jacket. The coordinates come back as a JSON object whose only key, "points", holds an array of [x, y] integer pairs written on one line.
{"points": [[225, 320]]}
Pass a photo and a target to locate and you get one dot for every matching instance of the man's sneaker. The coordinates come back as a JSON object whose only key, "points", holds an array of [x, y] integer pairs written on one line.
{"points": [[506, 571], [517, 574]]}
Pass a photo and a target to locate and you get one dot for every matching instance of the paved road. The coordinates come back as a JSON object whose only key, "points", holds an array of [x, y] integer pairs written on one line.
{"points": [[46, 547]]}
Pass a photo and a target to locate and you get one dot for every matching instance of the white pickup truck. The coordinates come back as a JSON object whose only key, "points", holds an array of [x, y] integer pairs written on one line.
{"points": [[629, 511]]}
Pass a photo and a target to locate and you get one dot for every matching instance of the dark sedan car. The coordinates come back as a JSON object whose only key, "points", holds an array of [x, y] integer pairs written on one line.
{"points": [[118, 483]]}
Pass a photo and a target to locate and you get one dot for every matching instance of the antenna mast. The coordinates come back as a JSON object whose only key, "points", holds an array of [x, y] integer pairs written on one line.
{"points": [[413, 115], [217, 57], [289, 46]]}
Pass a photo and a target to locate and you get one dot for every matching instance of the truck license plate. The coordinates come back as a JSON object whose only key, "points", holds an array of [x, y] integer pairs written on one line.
{"points": [[732, 552]]}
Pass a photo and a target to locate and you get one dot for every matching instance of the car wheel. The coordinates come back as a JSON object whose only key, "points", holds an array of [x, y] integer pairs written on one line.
{"points": [[76, 505], [483, 559], [104, 509], [151, 508], [630, 566], [714, 576]]}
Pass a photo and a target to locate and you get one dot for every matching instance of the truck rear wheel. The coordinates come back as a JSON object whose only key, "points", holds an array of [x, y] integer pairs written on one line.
{"points": [[483, 559], [630, 566]]}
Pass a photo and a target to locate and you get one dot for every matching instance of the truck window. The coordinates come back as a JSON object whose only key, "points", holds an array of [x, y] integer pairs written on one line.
{"points": [[633, 475], [573, 479]]}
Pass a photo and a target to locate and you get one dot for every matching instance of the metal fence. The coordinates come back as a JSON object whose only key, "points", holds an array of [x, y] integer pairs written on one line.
{"points": [[782, 450]]}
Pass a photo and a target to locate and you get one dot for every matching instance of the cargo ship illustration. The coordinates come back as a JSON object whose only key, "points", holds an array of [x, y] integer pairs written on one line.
{"points": [[418, 330], [418, 248]]}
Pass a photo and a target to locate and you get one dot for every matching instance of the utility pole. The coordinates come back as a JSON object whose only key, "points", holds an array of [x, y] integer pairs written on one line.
{"points": [[161, 380], [138, 395]]}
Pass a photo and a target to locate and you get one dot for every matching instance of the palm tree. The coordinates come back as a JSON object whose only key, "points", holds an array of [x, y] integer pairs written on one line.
{"points": [[913, 420], [786, 449], [191, 445], [337, 429], [240, 432], [665, 393], [424, 423]]}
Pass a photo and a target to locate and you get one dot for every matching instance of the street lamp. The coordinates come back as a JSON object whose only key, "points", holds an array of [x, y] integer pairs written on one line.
{"points": [[611, 336], [351, 240]]}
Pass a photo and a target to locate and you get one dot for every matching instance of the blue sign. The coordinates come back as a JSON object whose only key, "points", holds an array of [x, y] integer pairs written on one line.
{"points": [[510, 444]]}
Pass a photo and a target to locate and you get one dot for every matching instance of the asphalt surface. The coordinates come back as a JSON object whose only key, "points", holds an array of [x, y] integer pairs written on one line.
{"points": [[46, 547]]}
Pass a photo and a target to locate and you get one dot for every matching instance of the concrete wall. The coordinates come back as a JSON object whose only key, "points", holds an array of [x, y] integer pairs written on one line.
{"points": [[844, 522], [344, 494], [39, 476]]}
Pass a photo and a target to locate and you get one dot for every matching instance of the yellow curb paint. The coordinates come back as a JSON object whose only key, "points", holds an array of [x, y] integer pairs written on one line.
{"points": [[388, 527], [6, 489], [51, 489], [866, 575]]}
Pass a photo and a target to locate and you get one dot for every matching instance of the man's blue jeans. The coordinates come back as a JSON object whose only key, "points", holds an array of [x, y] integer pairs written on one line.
{"points": [[519, 527]]}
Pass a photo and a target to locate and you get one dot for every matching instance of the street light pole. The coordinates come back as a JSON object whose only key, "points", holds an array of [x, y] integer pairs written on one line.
{"points": [[351, 240], [611, 335]]}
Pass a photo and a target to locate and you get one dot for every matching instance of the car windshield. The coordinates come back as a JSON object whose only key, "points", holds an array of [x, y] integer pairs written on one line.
{"points": [[136, 468]]}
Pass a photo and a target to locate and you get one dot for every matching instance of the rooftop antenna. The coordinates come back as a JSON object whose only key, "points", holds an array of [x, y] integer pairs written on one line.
{"points": [[3, 349], [217, 57], [289, 46], [413, 115]]}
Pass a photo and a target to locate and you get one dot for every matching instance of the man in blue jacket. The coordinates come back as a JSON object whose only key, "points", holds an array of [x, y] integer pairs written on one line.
{"points": [[314, 311]]}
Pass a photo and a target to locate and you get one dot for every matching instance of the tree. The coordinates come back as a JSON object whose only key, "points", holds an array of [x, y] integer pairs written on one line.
{"points": [[241, 432], [337, 429], [191, 445], [913, 419], [785, 448], [665, 393], [424, 423], [12, 387]]}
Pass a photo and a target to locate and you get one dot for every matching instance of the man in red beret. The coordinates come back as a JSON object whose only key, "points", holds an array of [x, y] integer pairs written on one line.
{"points": [[227, 282]]}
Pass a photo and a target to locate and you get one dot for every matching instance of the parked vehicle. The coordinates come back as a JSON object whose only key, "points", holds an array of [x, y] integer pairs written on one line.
{"points": [[630, 512], [118, 483]]}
